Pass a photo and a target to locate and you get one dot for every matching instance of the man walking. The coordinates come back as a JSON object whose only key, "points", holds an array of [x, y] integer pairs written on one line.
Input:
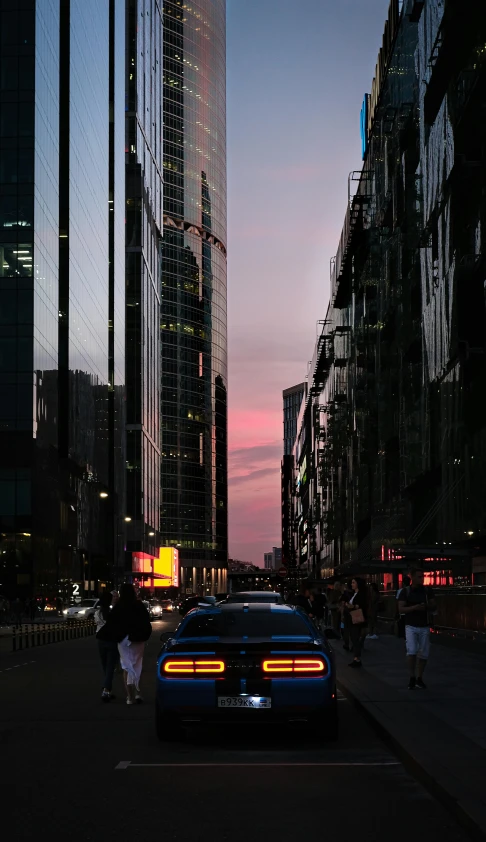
{"points": [[415, 603]]}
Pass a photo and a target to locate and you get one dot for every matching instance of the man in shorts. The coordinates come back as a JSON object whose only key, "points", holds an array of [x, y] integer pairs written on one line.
{"points": [[414, 604]]}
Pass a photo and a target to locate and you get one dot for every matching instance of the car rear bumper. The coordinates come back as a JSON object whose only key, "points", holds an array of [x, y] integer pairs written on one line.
{"points": [[298, 699], [284, 714]]}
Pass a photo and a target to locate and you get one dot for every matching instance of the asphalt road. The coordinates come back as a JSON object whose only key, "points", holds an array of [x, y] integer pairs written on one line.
{"points": [[77, 769]]}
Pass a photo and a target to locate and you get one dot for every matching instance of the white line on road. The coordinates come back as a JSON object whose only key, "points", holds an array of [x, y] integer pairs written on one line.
{"points": [[125, 764], [25, 664]]}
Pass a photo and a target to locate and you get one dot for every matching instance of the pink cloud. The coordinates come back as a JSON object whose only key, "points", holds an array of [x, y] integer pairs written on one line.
{"points": [[253, 427], [254, 492]]}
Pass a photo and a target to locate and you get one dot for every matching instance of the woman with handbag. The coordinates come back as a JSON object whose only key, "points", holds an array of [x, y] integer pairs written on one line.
{"points": [[130, 622], [357, 610]]}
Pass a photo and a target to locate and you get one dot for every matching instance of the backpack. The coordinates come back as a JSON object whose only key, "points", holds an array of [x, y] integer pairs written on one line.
{"points": [[140, 627]]}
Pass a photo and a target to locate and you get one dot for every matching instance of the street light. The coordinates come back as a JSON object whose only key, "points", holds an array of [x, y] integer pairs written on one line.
{"points": [[151, 534], [103, 494], [127, 519]]}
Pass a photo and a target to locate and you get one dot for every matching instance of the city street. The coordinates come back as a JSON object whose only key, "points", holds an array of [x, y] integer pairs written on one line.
{"points": [[78, 769]]}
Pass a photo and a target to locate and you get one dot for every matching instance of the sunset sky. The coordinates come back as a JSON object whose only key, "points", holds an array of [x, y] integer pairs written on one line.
{"points": [[297, 74]]}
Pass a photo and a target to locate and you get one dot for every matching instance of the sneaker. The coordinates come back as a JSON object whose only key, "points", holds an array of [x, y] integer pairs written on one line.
{"points": [[412, 683], [420, 684], [355, 664], [138, 698], [130, 702], [106, 696]]}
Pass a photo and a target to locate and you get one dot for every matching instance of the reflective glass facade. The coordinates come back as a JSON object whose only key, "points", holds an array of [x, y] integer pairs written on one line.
{"points": [[194, 364], [144, 172], [292, 399], [61, 160]]}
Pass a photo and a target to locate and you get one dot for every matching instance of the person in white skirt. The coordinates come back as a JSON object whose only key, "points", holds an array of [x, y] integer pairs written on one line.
{"points": [[131, 620]]}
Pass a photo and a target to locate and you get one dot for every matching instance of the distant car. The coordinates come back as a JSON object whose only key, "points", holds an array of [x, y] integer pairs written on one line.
{"points": [[255, 596], [153, 607], [193, 602], [246, 662], [167, 606], [83, 610]]}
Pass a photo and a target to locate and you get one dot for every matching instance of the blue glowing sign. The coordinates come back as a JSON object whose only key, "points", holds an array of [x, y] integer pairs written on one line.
{"points": [[365, 110]]}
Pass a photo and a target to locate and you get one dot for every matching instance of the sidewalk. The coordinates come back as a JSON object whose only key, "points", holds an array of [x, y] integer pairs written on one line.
{"points": [[441, 731]]}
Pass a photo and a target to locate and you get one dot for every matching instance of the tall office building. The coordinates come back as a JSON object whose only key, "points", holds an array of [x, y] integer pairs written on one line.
{"points": [[61, 293], [292, 400], [144, 165], [273, 560], [193, 323]]}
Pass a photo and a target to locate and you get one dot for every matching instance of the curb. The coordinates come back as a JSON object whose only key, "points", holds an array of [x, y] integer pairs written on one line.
{"points": [[417, 769]]}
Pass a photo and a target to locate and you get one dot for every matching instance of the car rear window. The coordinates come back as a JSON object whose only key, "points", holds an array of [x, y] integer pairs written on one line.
{"points": [[242, 624]]}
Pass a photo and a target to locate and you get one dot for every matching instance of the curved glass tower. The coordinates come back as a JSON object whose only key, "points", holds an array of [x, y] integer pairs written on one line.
{"points": [[193, 322]]}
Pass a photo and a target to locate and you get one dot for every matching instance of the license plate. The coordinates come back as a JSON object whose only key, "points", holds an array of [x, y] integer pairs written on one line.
{"points": [[244, 702]]}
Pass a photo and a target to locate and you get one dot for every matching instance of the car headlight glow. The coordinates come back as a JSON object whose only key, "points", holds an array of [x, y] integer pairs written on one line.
{"points": [[65, 611], [83, 611]]}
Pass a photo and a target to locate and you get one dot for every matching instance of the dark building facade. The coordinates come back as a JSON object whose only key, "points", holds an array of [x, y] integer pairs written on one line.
{"points": [[193, 324], [61, 300], [397, 456], [144, 182], [292, 402]]}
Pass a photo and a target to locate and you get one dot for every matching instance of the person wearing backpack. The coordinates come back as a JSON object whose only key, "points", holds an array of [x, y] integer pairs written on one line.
{"points": [[129, 622], [415, 604]]}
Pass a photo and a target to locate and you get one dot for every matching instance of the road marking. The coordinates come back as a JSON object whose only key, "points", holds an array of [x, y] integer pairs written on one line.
{"points": [[9, 669], [125, 764]]}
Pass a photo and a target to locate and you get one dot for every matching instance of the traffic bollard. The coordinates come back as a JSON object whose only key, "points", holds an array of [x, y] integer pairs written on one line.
{"points": [[14, 640]]}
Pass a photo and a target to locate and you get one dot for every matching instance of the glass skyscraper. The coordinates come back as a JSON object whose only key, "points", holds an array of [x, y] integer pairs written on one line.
{"points": [[62, 311], [292, 400], [144, 147], [193, 322]]}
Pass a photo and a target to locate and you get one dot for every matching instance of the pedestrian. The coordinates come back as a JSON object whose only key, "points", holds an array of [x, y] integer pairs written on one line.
{"points": [[319, 607], [415, 603], [129, 622], [107, 644], [374, 606], [17, 611], [346, 595], [305, 600], [356, 610], [334, 603], [400, 618]]}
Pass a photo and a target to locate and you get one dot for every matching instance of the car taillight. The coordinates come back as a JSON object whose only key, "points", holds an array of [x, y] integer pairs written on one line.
{"points": [[278, 666], [193, 666]]}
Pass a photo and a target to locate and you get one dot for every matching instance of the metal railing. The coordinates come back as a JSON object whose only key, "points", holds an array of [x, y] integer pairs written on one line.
{"points": [[29, 635]]}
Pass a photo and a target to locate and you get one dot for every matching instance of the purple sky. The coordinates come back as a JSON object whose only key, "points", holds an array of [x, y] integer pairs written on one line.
{"points": [[297, 74]]}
